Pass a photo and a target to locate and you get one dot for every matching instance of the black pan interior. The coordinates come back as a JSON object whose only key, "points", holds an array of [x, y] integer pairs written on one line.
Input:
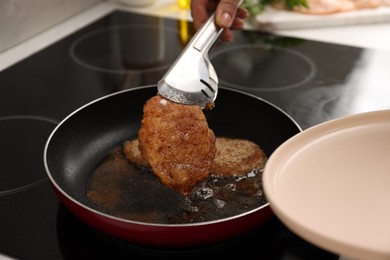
{"points": [[85, 137]]}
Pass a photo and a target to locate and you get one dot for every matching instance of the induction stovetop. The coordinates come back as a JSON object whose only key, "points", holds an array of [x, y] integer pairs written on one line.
{"points": [[312, 81]]}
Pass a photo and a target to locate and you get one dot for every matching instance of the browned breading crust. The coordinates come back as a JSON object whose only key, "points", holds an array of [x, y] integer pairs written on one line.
{"points": [[177, 142], [132, 153], [237, 157], [233, 157]]}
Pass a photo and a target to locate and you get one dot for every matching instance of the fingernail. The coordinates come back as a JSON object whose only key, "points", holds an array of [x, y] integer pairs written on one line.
{"points": [[226, 20]]}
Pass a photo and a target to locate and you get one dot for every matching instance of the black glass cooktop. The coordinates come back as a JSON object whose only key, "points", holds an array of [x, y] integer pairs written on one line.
{"points": [[312, 81]]}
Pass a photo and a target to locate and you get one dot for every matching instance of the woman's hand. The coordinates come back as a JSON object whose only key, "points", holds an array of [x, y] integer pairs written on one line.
{"points": [[227, 15]]}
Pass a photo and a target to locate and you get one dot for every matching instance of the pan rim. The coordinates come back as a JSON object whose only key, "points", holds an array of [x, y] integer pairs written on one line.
{"points": [[122, 220]]}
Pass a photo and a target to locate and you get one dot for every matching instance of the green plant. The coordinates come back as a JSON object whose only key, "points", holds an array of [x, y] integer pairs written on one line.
{"points": [[257, 6]]}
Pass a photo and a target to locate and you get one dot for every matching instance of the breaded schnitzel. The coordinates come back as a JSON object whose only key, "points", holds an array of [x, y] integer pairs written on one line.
{"points": [[234, 156], [237, 157], [177, 142], [132, 153]]}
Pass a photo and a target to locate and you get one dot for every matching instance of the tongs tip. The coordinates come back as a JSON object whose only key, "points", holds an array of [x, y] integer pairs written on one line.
{"points": [[204, 98]]}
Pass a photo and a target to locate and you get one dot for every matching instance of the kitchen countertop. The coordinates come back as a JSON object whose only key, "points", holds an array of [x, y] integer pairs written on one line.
{"points": [[375, 36]]}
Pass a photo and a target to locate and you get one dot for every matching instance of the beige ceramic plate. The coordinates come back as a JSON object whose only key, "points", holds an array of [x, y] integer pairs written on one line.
{"points": [[330, 184]]}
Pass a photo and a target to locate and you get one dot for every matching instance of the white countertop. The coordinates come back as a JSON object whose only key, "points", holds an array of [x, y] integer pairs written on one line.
{"points": [[375, 35]]}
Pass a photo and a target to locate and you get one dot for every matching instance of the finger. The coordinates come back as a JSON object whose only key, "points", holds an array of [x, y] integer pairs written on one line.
{"points": [[200, 11], [242, 13], [225, 13], [237, 24], [227, 35]]}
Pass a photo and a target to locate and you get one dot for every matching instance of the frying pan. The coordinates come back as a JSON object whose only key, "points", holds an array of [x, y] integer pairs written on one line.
{"points": [[83, 138]]}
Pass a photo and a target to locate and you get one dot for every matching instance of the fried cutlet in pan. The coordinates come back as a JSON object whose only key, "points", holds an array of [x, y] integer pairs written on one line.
{"points": [[177, 142], [234, 156], [237, 157], [132, 153]]}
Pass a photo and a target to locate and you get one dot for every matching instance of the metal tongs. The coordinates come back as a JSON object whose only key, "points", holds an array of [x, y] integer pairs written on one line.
{"points": [[191, 79]]}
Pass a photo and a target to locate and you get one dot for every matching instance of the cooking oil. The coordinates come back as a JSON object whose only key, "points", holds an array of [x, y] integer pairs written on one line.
{"points": [[184, 4]]}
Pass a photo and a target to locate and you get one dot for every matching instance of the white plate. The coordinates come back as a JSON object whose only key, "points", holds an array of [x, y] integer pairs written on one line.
{"points": [[330, 184], [275, 19]]}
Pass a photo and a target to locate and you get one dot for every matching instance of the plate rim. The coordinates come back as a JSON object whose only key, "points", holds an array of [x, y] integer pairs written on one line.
{"points": [[323, 129]]}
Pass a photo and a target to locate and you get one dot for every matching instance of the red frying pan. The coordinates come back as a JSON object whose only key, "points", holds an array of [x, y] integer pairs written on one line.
{"points": [[82, 139]]}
